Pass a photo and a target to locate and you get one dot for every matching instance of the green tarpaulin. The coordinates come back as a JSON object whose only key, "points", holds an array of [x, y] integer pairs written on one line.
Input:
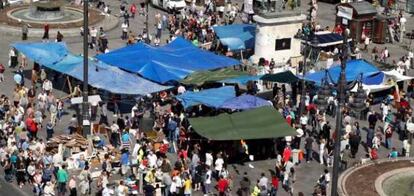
{"points": [[259, 123], [199, 78], [282, 77]]}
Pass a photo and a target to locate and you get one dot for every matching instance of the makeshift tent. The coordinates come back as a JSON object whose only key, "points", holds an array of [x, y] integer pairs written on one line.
{"points": [[281, 77], [236, 36], [43, 53], [100, 75], [200, 77], [388, 81], [245, 102], [354, 69], [259, 123], [171, 62], [213, 97], [241, 79]]}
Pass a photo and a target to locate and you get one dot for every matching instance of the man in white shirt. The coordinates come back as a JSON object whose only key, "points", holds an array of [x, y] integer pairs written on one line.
{"points": [[209, 159], [93, 33], [47, 85], [218, 164]]}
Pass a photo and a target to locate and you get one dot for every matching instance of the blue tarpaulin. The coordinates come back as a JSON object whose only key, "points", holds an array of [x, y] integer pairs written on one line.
{"points": [[374, 79], [245, 102], [241, 79], [101, 75], [354, 69], [236, 36], [171, 62], [213, 97], [43, 53]]}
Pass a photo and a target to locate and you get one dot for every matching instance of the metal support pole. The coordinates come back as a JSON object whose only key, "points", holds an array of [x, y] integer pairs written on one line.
{"points": [[341, 102], [146, 20], [303, 95], [85, 104]]}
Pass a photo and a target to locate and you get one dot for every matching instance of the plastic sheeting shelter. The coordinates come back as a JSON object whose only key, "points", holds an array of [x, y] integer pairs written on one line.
{"points": [[245, 102], [213, 97], [101, 75], [354, 69], [236, 36], [259, 123], [171, 62]]}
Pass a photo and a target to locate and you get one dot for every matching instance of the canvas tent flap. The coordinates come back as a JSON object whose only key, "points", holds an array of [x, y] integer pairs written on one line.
{"points": [[236, 36], [245, 102], [281, 77], [43, 53], [213, 97], [259, 123], [171, 62], [200, 77]]}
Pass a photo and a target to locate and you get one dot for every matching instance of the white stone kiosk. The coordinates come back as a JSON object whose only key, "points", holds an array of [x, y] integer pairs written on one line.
{"points": [[275, 36]]}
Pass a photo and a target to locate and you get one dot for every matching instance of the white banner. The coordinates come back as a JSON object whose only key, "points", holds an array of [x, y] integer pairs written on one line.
{"points": [[345, 12]]}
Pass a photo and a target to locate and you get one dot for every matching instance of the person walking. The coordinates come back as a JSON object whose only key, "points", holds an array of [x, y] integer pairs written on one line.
{"points": [[45, 32], [322, 146], [25, 31], [2, 70], [308, 148], [62, 178]]}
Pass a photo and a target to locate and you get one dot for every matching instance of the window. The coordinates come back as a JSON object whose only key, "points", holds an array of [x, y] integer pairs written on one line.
{"points": [[283, 44]]}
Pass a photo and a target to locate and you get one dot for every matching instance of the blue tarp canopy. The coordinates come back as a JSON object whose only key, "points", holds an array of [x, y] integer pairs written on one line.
{"points": [[213, 97], [101, 75], [43, 53], [171, 62], [236, 36], [245, 102], [354, 69], [242, 79]]}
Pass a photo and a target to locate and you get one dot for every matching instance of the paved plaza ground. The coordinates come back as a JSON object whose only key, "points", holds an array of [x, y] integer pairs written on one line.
{"points": [[306, 173]]}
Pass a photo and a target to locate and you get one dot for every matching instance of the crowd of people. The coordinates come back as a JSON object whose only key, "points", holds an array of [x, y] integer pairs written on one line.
{"points": [[171, 159]]}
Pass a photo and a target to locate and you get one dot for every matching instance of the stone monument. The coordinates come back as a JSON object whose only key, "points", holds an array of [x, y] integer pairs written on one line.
{"points": [[276, 27]]}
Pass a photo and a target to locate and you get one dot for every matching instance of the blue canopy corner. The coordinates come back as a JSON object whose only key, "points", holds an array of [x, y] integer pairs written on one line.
{"points": [[245, 102], [236, 36]]}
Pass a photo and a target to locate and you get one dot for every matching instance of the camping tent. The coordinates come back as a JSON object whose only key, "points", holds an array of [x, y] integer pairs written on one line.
{"points": [[259, 123], [236, 36], [354, 69], [171, 62], [245, 102], [213, 97], [100, 75]]}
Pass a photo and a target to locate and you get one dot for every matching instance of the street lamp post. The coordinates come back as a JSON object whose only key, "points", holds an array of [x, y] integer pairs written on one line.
{"points": [[338, 127], [358, 105], [147, 2], [85, 104]]}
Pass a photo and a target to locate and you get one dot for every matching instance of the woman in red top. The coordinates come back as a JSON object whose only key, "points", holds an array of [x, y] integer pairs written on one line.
{"points": [[222, 186], [133, 10]]}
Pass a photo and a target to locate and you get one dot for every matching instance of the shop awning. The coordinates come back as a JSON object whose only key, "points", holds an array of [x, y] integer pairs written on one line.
{"points": [[200, 77], [259, 123], [281, 77]]}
